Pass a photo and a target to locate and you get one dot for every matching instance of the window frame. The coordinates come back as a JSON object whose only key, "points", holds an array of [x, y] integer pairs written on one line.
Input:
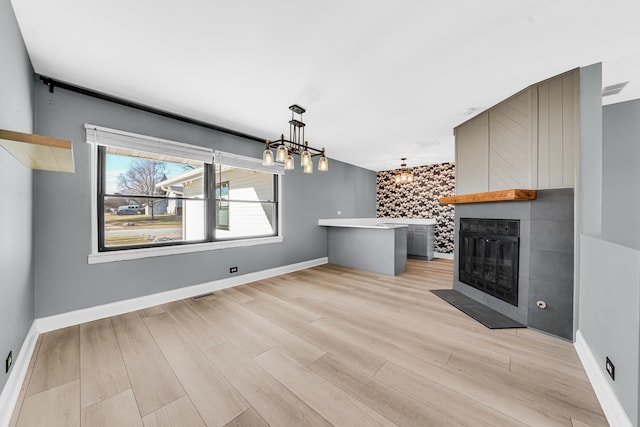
{"points": [[229, 200], [100, 254]]}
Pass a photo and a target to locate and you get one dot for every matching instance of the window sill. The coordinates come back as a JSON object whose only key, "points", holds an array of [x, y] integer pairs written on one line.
{"points": [[125, 255]]}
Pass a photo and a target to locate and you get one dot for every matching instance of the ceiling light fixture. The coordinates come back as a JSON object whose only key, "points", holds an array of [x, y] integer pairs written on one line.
{"points": [[295, 145], [404, 174]]}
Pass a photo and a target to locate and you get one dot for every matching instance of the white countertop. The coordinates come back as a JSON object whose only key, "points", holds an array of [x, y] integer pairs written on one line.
{"points": [[378, 223]]}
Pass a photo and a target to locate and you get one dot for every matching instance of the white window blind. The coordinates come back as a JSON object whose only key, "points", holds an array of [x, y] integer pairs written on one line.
{"points": [[238, 161], [135, 144]]}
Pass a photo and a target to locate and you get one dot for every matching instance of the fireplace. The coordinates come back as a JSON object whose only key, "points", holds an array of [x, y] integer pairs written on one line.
{"points": [[488, 256], [528, 258]]}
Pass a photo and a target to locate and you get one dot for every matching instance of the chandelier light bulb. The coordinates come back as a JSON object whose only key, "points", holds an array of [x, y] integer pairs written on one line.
{"points": [[267, 156], [308, 168], [288, 164], [281, 154], [305, 158], [323, 163]]}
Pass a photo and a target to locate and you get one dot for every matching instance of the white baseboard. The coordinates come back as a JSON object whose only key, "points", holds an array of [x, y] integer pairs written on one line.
{"points": [[11, 390], [46, 324], [611, 406], [442, 255]]}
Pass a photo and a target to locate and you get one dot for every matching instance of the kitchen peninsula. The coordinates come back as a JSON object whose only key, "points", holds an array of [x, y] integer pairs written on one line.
{"points": [[379, 245]]}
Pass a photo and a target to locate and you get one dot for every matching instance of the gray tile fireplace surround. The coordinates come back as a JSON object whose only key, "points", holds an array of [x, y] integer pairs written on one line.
{"points": [[546, 259]]}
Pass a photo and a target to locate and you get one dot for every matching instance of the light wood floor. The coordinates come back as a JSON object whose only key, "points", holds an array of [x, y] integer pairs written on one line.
{"points": [[319, 347]]}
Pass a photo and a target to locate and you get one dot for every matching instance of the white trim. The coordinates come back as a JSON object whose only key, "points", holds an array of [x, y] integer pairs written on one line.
{"points": [[46, 324], [99, 135], [93, 182], [245, 162], [611, 406], [129, 254], [442, 255], [11, 391]]}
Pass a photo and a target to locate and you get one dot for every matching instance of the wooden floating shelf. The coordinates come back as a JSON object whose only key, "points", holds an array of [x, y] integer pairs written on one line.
{"points": [[513, 195], [39, 152]]}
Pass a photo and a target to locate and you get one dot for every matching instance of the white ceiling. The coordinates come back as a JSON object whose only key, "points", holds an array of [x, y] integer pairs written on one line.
{"points": [[380, 79]]}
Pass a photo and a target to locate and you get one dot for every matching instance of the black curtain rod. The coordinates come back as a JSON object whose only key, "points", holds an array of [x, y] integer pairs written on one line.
{"points": [[55, 83]]}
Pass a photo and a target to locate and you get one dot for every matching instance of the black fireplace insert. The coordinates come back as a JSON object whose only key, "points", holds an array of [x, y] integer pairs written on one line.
{"points": [[488, 258]]}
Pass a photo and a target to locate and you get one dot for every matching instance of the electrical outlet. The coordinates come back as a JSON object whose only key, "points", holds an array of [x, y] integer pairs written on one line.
{"points": [[233, 270], [8, 362], [611, 369]]}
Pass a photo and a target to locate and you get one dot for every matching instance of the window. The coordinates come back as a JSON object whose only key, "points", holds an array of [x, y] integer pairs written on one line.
{"points": [[246, 197], [154, 193]]}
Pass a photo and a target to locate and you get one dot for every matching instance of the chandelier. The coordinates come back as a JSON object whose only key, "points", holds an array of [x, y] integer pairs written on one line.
{"points": [[404, 175], [287, 148]]}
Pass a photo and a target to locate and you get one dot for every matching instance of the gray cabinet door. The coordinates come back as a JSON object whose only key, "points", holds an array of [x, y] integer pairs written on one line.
{"points": [[418, 241]]}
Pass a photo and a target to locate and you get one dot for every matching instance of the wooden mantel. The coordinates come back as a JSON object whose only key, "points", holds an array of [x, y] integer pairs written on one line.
{"points": [[39, 152], [512, 195]]}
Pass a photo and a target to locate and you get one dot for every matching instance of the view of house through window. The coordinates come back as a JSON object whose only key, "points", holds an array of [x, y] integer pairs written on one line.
{"points": [[147, 199], [245, 202]]}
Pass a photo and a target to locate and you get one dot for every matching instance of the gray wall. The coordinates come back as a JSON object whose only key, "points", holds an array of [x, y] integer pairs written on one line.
{"points": [[609, 251], [16, 271], [63, 279], [591, 149], [621, 180]]}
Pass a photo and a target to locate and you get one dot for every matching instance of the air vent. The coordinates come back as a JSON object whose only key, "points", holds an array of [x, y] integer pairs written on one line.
{"points": [[613, 89], [197, 297]]}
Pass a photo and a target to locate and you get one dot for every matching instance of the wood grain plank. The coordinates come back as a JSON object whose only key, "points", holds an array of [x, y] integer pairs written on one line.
{"points": [[215, 399], [356, 355], [191, 323], [467, 411], [119, 410], [235, 295], [249, 418], [179, 413], [274, 402], [355, 326], [151, 311], [55, 407], [392, 404], [302, 315], [234, 329], [328, 400], [102, 370], [294, 346], [58, 360], [153, 381]]}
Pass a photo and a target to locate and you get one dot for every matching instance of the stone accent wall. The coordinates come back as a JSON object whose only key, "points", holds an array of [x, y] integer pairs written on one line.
{"points": [[419, 199]]}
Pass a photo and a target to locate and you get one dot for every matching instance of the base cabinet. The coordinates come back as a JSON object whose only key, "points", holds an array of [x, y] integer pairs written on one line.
{"points": [[420, 241]]}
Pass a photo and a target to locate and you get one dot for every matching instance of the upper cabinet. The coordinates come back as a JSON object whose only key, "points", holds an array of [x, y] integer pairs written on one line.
{"points": [[527, 141]]}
